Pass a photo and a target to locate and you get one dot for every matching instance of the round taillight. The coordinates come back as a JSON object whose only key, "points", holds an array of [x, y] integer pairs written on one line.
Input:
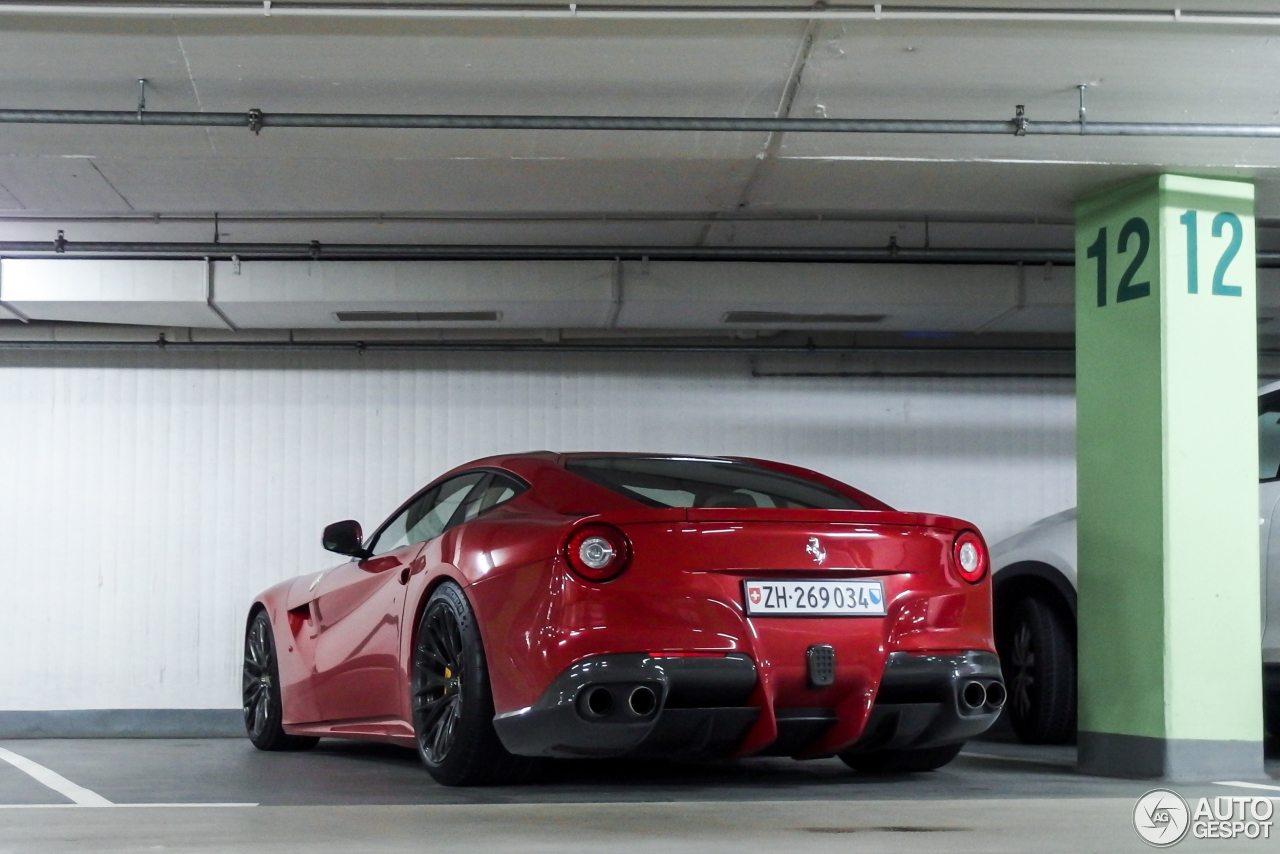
{"points": [[597, 552], [970, 557]]}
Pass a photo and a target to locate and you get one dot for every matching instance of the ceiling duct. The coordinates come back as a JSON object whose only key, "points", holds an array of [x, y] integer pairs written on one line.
{"points": [[624, 296]]}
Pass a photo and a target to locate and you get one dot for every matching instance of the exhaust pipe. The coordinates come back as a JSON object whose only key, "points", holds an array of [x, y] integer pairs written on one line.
{"points": [[597, 702], [996, 694], [973, 695], [642, 700]]}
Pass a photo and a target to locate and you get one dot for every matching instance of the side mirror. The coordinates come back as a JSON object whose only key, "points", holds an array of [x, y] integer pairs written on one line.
{"points": [[345, 538]]}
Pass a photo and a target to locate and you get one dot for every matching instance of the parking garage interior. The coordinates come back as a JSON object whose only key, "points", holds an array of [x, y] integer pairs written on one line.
{"points": [[264, 266]]}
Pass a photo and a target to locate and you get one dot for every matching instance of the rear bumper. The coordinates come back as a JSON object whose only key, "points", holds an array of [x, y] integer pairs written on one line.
{"points": [[700, 709], [921, 701], [706, 707]]}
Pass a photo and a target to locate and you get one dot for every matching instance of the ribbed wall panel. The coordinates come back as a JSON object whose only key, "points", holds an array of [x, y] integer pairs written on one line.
{"points": [[147, 497]]}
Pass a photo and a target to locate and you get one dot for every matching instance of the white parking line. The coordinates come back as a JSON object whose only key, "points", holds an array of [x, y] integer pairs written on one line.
{"points": [[113, 806], [78, 794], [1242, 785]]}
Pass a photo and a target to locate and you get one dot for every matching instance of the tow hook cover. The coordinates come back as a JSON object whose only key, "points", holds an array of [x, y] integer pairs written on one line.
{"points": [[822, 665]]}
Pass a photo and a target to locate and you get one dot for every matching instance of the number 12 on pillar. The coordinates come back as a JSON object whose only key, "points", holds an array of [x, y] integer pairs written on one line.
{"points": [[1134, 242], [1134, 231], [1222, 222]]}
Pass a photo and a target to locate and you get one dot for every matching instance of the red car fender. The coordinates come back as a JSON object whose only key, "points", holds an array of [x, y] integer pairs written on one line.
{"points": [[292, 641]]}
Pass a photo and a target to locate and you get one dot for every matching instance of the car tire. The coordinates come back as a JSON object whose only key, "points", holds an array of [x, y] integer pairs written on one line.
{"points": [[902, 761], [260, 691], [452, 700], [1038, 659]]}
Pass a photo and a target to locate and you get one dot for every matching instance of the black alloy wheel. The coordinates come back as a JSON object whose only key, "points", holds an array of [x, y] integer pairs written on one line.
{"points": [[902, 761], [260, 688], [452, 699], [1038, 658]]}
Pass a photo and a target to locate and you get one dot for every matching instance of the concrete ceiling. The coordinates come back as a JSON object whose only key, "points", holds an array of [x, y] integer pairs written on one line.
{"points": [[863, 69], [572, 187]]}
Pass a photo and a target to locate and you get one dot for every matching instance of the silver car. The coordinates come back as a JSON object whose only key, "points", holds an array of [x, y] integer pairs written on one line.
{"points": [[1035, 604]]}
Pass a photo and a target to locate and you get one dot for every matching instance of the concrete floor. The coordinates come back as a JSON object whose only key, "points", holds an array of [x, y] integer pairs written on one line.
{"points": [[344, 797]]}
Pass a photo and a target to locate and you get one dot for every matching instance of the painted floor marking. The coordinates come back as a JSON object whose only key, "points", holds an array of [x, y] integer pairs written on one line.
{"points": [[1239, 784], [113, 806], [78, 794]]}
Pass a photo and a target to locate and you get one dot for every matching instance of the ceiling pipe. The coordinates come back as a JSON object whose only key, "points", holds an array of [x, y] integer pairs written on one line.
{"points": [[522, 347], [599, 217], [255, 120], [590, 11], [316, 251]]}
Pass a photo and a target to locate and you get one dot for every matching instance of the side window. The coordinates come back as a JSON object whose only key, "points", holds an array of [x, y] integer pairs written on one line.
{"points": [[1269, 438], [741, 497], [396, 534], [431, 513], [432, 520], [494, 491]]}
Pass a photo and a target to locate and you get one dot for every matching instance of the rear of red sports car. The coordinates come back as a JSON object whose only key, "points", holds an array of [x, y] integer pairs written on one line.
{"points": [[712, 608], [625, 605]]}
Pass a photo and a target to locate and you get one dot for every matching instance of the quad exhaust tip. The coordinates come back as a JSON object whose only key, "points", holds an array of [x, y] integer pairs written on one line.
{"points": [[642, 700], [599, 701], [973, 695]]}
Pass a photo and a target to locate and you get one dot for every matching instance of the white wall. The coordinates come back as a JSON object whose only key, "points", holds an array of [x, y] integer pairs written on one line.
{"points": [[147, 496]]}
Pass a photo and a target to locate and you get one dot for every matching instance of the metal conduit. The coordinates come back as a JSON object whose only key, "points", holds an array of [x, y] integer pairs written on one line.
{"points": [[256, 120], [862, 12], [316, 251], [600, 217], [470, 252], [164, 345]]}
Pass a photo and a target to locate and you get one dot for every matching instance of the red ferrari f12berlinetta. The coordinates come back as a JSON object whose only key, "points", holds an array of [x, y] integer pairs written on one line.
{"points": [[599, 605]]}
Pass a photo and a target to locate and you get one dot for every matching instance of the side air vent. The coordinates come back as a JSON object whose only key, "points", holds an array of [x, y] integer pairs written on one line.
{"points": [[417, 316], [775, 317]]}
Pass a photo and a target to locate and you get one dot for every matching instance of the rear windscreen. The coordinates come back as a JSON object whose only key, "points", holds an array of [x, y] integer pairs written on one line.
{"points": [[676, 482]]}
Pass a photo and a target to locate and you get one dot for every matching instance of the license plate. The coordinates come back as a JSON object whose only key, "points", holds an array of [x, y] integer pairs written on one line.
{"points": [[825, 598]]}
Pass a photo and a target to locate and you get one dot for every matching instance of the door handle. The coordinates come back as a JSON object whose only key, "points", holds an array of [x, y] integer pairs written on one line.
{"points": [[404, 575]]}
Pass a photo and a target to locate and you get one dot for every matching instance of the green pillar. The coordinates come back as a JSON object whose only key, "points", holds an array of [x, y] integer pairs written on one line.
{"points": [[1170, 633]]}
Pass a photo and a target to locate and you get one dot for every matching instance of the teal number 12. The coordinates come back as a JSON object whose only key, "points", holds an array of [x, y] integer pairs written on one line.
{"points": [[1220, 288]]}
